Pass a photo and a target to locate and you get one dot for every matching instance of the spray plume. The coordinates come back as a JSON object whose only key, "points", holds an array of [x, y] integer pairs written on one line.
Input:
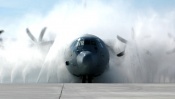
{"points": [[145, 60]]}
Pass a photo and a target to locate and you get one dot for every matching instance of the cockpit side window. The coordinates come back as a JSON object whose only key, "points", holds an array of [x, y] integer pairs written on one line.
{"points": [[81, 43], [86, 44]]}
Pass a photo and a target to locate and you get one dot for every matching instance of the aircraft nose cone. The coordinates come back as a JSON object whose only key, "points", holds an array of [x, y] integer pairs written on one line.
{"points": [[87, 61]]}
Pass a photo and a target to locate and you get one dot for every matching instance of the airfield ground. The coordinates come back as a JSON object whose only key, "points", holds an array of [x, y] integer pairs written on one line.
{"points": [[87, 91]]}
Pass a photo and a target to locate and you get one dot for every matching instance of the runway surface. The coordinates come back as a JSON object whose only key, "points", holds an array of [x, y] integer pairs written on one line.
{"points": [[87, 91]]}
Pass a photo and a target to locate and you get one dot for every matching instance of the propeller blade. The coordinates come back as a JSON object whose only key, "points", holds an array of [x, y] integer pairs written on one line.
{"points": [[121, 39], [113, 52], [1, 31], [42, 34], [30, 35], [121, 54]]}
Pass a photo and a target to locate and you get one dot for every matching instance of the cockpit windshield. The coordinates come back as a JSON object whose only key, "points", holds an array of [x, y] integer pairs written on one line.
{"points": [[89, 44], [82, 42]]}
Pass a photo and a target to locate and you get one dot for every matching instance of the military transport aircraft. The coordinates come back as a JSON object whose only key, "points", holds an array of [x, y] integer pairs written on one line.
{"points": [[88, 57]]}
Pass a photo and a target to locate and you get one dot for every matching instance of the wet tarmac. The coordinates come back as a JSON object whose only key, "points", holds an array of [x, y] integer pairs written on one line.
{"points": [[87, 91]]}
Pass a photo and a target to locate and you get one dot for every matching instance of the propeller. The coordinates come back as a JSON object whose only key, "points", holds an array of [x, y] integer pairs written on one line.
{"points": [[121, 54], [123, 41], [1, 31], [40, 39]]}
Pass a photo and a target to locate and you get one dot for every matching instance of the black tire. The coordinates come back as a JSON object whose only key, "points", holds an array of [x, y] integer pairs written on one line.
{"points": [[89, 79], [84, 79]]}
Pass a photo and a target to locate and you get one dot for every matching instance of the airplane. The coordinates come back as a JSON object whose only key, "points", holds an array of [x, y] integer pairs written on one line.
{"points": [[88, 57]]}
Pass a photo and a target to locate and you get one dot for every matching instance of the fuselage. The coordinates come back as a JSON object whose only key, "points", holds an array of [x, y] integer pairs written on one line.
{"points": [[87, 56]]}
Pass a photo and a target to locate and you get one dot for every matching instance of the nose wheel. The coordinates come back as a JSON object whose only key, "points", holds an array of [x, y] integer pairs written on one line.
{"points": [[87, 79]]}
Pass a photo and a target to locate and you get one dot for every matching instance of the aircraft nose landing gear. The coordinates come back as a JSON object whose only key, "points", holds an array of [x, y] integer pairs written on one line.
{"points": [[87, 79]]}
